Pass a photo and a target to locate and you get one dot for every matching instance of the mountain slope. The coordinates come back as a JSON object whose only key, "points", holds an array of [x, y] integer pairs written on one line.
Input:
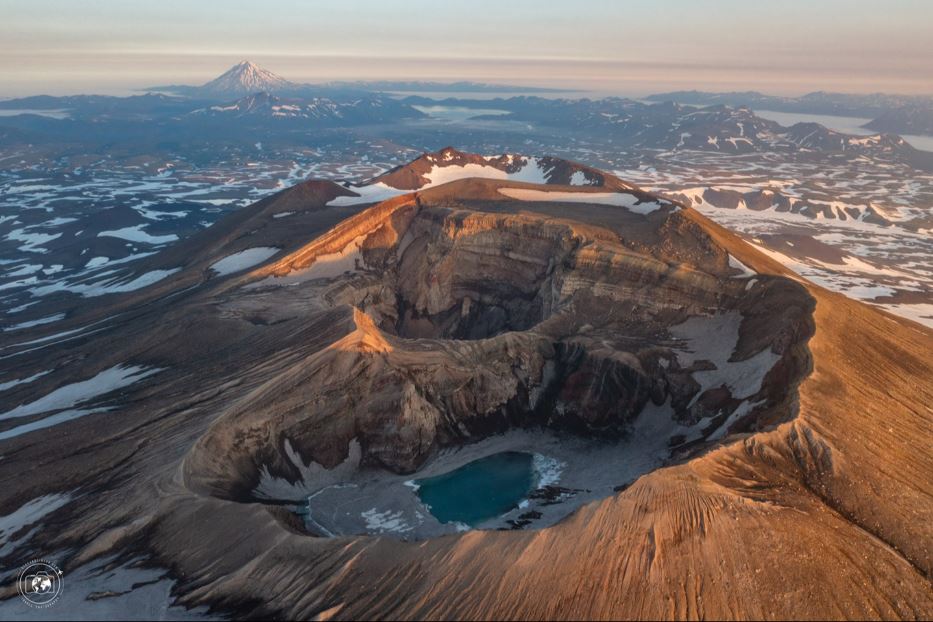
{"points": [[905, 120], [791, 479]]}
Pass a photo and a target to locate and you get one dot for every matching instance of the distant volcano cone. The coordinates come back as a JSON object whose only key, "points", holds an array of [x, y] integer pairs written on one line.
{"points": [[246, 78]]}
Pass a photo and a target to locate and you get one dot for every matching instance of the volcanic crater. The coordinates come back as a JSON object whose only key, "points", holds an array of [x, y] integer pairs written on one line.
{"points": [[705, 428], [474, 322]]}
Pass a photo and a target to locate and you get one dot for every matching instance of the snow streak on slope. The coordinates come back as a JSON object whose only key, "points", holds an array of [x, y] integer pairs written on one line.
{"points": [[619, 199]]}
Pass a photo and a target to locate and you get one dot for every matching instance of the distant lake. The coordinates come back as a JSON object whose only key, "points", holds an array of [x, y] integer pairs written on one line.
{"points": [[846, 125], [55, 114], [456, 114]]}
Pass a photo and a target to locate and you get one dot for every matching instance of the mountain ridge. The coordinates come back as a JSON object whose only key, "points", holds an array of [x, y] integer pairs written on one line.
{"points": [[246, 78]]}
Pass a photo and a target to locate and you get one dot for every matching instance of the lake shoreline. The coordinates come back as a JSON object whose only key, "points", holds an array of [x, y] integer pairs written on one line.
{"points": [[571, 471]]}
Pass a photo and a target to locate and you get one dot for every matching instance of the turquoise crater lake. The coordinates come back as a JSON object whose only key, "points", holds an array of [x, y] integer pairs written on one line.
{"points": [[479, 490]]}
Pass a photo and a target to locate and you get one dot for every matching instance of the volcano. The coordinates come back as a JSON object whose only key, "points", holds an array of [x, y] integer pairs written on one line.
{"points": [[733, 441], [244, 78]]}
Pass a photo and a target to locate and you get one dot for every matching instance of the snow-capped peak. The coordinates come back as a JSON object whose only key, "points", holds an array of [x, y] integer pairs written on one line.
{"points": [[244, 78]]}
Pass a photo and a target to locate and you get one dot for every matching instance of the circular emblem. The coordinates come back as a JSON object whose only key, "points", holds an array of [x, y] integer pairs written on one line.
{"points": [[40, 583]]}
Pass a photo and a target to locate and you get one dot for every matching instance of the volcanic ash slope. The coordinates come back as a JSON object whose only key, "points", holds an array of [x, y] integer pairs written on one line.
{"points": [[374, 327]]}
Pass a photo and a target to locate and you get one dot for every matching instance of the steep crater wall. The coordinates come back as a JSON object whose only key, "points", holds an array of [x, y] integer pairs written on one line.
{"points": [[462, 324]]}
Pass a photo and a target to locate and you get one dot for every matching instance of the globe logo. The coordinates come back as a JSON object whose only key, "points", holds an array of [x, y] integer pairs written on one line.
{"points": [[40, 583]]}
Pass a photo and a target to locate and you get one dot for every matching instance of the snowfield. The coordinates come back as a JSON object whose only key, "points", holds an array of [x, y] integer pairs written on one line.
{"points": [[100, 288], [619, 199], [137, 234], [243, 259], [532, 172], [76, 393]]}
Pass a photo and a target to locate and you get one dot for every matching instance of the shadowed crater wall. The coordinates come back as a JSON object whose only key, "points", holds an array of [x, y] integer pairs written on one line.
{"points": [[464, 319]]}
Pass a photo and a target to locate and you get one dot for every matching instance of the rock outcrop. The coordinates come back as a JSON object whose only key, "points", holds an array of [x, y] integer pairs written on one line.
{"points": [[472, 315]]}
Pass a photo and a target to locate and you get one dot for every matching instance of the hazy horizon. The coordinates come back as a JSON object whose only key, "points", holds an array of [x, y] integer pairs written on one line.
{"points": [[632, 48]]}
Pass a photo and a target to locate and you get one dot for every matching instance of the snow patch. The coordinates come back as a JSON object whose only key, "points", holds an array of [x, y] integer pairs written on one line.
{"points": [[619, 199], [96, 262], [32, 241], [112, 286], [548, 470], [716, 338], [137, 234], [372, 193], [42, 320], [243, 259], [388, 521], [28, 514], [70, 395], [738, 265], [48, 422], [25, 270], [12, 383]]}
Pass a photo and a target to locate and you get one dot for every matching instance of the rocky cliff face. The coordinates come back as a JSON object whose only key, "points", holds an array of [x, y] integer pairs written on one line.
{"points": [[468, 316]]}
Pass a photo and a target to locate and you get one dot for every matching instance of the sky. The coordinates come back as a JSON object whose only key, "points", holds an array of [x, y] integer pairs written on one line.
{"points": [[608, 46]]}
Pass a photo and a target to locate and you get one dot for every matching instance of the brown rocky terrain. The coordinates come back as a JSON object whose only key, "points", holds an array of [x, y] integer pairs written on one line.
{"points": [[796, 478]]}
